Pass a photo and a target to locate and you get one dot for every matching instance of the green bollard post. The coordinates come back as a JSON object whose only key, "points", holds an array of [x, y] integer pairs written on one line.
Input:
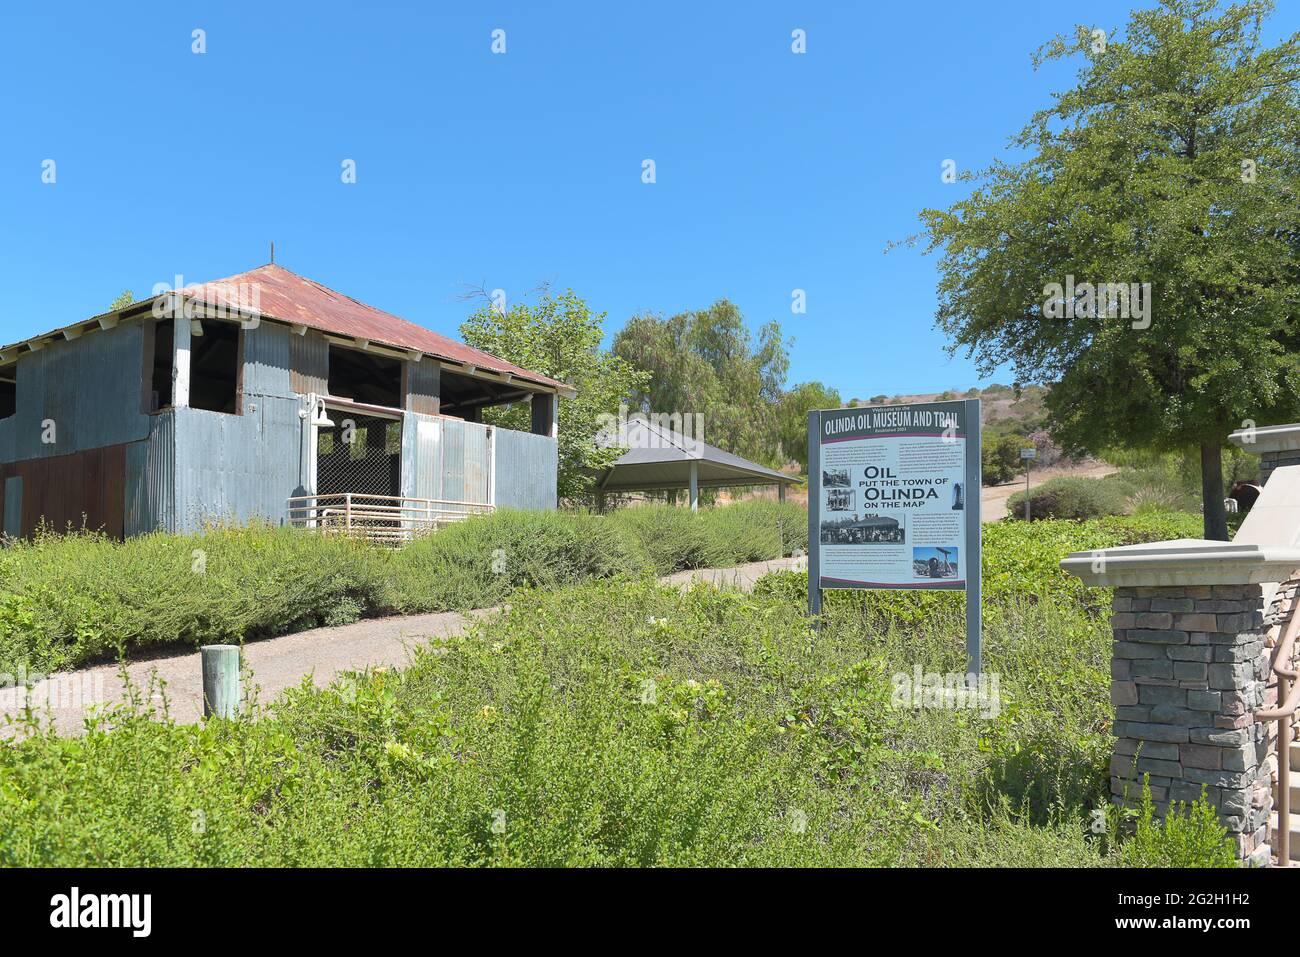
{"points": [[220, 680]]}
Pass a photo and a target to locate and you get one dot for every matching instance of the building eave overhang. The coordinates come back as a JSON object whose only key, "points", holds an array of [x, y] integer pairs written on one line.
{"points": [[207, 310]]}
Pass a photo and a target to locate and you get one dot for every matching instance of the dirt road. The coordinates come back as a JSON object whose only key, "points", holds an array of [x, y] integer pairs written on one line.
{"points": [[993, 498]]}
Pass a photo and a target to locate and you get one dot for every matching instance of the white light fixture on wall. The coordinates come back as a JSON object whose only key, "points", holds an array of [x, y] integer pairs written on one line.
{"points": [[321, 419]]}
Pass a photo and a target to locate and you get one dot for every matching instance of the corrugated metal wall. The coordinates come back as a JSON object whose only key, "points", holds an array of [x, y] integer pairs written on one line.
{"points": [[13, 510], [89, 387], [423, 382], [526, 468], [237, 467], [309, 362], [267, 359], [450, 459], [445, 458], [79, 490], [151, 479]]}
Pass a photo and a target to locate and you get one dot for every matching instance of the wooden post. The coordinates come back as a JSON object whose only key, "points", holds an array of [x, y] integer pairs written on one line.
{"points": [[780, 492], [180, 355], [220, 680]]}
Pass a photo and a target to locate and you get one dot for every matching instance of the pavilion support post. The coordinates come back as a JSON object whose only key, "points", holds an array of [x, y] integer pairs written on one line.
{"points": [[780, 492], [695, 486]]}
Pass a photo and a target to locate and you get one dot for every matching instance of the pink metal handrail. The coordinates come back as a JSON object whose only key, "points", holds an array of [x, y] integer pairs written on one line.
{"points": [[1288, 696]]}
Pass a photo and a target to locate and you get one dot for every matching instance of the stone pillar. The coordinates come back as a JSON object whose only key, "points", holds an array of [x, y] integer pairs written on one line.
{"points": [[1189, 668], [1191, 663], [1276, 446]]}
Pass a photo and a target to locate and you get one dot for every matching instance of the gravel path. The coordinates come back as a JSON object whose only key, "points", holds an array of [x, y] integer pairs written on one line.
{"points": [[280, 663]]}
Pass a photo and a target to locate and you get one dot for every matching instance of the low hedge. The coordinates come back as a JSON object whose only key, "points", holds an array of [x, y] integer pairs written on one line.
{"points": [[66, 599], [69, 598]]}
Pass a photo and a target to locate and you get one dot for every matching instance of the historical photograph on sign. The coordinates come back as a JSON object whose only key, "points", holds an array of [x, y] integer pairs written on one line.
{"points": [[841, 500], [863, 530], [958, 497], [835, 478], [934, 562]]}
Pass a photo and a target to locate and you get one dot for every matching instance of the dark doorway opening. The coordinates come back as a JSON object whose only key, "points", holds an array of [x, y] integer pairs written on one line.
{"points": [[9, 391], [160, 376], [365, 377], [214, 366]]}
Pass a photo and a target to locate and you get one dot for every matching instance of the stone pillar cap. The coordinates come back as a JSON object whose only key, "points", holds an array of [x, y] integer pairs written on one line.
{"points": [[1184, 561], [1267, 438]]}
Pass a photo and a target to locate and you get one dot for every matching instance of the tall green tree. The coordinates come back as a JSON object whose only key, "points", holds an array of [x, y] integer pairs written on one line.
{"points": [[559, 336], [706, 361], [1172, 161], [792, 417]]}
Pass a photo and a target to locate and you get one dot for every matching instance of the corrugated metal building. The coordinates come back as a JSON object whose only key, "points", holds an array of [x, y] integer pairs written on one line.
{"points": [[225, 401]]}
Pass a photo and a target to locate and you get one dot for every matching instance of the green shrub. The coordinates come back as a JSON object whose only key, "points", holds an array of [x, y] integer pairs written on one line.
{"points": [[1070, 497], [755, 530], [746, 531], [673, 538], [1188, 836], [66, 599], [1000, 459], [479, 562]]}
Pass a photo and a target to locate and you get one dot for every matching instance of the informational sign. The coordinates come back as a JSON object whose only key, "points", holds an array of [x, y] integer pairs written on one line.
{"points": [[894, 501], [1029, 454]]}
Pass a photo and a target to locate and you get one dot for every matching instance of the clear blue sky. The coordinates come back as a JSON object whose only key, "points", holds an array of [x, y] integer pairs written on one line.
{"points": [[775, 171]]}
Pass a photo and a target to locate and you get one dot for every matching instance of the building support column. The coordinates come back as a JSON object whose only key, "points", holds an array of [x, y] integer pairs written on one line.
{"points": [[695, 486], [546, 413], [780, 492], [180, 356]]}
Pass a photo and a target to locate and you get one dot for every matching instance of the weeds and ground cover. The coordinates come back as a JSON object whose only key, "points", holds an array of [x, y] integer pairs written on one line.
{"points": [[622, 723], [67, 599]]}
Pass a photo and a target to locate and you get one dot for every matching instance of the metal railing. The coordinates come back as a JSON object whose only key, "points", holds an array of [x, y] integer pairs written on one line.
{"points": [[382, 519], [1288, 697]]}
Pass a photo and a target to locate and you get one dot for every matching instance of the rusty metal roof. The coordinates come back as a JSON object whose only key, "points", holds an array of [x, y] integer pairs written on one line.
{"points": [[292, 298], [280, 294]]}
